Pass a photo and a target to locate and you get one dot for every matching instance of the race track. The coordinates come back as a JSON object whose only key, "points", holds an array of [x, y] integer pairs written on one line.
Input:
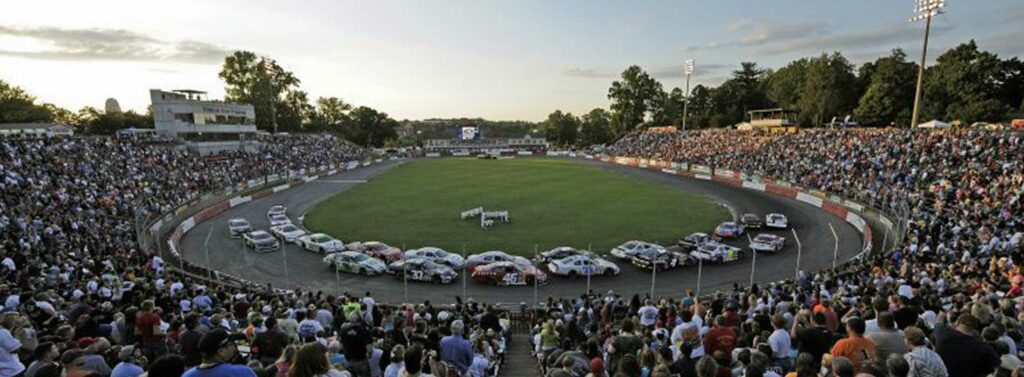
{"points": [[822, 236]]}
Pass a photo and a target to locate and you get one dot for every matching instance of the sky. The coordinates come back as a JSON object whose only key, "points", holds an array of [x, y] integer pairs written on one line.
{"points": [[417, 59]]}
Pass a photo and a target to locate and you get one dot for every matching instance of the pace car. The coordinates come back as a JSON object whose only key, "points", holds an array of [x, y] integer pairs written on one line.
{"points": [[630, 248], [751, 221], [288, 232], [238, 227], [728, 229], [422, 269], [437, 255], [261, 241], [776, 220], [717, 253], [694, 240], [508, 273], [582, 265], [559, 253], [661, 259], [278, 219], [355, 262], [277, 210], [321, 243], [377, 250], [765, 242], [492, 256]]}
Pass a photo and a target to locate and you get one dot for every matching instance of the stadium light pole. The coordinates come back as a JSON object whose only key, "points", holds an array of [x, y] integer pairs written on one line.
{"points": [[923, 10], [687, 71]]}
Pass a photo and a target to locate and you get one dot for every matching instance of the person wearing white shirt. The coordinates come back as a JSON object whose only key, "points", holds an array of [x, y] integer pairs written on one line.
{"points": [[780, 342], [10, 365], [648, 314]]}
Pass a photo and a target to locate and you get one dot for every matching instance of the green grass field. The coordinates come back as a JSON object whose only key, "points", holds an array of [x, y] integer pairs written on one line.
{"points": [[552, 202]]}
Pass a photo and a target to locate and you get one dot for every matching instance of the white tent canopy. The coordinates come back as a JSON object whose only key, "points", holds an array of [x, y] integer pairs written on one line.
{"points": [[934, 124]]}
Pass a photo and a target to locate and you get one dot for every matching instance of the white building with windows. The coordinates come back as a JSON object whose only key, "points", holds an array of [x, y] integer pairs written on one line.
{"points": [[203, 125]]}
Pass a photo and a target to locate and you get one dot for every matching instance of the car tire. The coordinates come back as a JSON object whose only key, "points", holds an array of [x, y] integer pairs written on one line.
{"points": [[362, 271], [572, 274], [437, 279], [609, 272], [529, 280]]}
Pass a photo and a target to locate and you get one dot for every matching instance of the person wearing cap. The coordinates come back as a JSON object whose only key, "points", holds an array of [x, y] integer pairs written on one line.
{"points": [[132, 362], [218, 350]]}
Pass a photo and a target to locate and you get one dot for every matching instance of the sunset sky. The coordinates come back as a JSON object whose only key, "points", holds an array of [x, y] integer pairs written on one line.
{"points": [[501, 60]]}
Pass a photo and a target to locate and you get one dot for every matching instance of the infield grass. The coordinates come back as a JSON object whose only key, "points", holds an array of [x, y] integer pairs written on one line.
{"points": [[552, 202]]}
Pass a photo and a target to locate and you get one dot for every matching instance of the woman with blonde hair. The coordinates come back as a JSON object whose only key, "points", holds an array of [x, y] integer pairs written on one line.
{"points": [[284, 362], [311, 361]]}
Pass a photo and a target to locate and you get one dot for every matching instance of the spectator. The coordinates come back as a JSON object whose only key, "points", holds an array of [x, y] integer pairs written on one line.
{"points": [[887, 340], [311, 361], [961, 350], [44, 354], [169, 365], [706, 367], [218, 350], [356, 344], [455, 350], [268, 345], [132, 363], [855, 347], [921, 360]]}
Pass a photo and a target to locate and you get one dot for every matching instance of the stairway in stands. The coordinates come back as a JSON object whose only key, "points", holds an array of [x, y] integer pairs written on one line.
{"points": [[518, 359]]}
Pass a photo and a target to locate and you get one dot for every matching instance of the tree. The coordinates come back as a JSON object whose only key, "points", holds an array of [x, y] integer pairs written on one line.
{"points": [[370, 127], [699, 107], [890, 93], [743, 92], [668, 109], [263, 83], [785, 85], [17, 106], [829, 88], [96, 122], [965, 84], [561, 128], [595, 128], [331, 114], [294, 112], [632, 98]]}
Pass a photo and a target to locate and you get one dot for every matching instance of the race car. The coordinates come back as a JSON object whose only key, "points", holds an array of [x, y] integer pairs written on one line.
{"points": [[728, 229], [630, 248], [559, 253], [355, 262], [717, 253], [277, 210], [321, 242], [751, 221], [288, 232], [377, 250], [238, 227], [776, 220], [694, 240], [492, 256], [765, 242], [583, 265], [437, 255], [422, 269], [278, 219], [261, 241], [508, 273], [662, 259]]}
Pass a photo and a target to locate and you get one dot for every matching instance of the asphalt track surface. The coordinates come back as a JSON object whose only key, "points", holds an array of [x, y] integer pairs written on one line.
{"points": [[821, 235]]}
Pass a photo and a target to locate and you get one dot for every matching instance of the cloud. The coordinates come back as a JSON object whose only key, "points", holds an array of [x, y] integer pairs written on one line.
{"points": [[658, 71], [889, 36], [586, 72], [756, 32], [109, 44]]}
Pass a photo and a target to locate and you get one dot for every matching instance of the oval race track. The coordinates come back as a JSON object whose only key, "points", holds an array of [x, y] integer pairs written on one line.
{"points": [[821, 234]]}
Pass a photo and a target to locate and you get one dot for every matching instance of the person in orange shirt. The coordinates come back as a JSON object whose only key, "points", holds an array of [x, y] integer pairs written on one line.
{"points": [[855, 346], [831, 318]]}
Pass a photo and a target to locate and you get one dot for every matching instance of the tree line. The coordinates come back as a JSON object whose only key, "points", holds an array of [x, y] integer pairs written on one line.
{"points": [[965, 84]]}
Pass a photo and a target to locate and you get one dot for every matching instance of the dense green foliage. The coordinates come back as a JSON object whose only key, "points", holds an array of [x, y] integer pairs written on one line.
{"points": [[552, 203]]}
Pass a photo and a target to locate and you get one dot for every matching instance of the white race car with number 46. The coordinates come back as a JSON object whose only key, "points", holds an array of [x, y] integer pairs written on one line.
{"points": [[321, 243], [583, 265], [776, 220], [288, 232]]}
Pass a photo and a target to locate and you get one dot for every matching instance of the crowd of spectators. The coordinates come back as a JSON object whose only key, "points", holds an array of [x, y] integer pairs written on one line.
{"points": [[945, 300]]}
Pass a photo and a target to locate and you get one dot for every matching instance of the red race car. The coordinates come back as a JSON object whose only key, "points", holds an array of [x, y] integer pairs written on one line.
{"points": [[508, 273]]}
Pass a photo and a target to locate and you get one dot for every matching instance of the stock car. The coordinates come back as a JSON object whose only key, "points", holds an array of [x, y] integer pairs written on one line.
{"points": [[277, 210], [437, 255], [751, 221], [728, 229], [630, 248], [377, 250], [661, 259], [422, 269], [260, 240], [717, 253], [278, 219], [694, 240], [492, 256], [776, 220], [238, 227], [355, 262], [582, 265], [559, 253], [288, 233], [508, 273], [765, 242], [321, 242]]}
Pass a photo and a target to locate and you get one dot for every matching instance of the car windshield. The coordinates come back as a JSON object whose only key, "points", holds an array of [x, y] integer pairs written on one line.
{"points": [[321, 239], [261, 236], [764, 238], [440, 253], [288, 228], [359, 257], [238, 223]]}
